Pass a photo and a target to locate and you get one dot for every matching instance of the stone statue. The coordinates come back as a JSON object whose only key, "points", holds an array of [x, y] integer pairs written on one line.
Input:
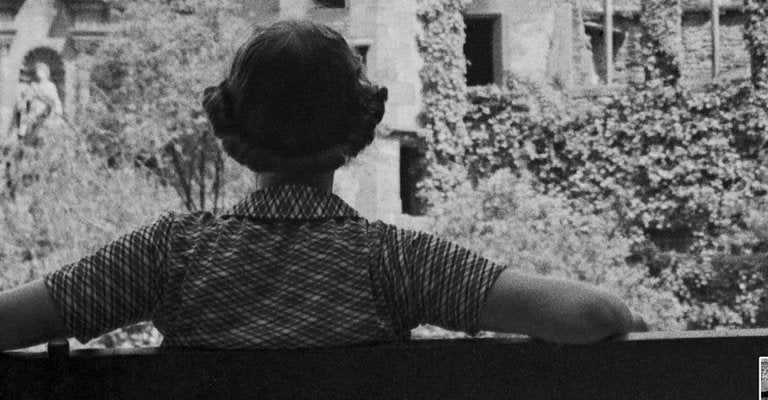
{"points": [[38, 100]]}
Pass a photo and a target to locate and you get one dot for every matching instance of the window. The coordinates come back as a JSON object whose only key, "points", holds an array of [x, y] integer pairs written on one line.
{"points": [[482, 49], [331, 3], [411, 172], [595, 32]]}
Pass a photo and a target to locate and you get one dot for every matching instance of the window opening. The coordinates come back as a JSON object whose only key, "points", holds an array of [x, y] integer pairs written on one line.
{"points": [[596, 40], [481, 50], [411, 172], [331, 3]]}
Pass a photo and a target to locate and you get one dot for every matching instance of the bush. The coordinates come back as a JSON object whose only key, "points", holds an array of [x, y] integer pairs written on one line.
{"points": [[506, 220], [147, 80], [665, 159], [66, 204]]}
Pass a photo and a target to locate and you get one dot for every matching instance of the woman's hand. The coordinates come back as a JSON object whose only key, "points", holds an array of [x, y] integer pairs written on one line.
{"points": [[638, 323]]}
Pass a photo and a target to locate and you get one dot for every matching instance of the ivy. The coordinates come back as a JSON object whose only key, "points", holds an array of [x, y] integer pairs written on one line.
{"points": [[661, 39], [664, 158], [444, 89], [756, 35]]}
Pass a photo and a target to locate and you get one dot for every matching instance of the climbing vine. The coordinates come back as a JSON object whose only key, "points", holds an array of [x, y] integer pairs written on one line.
{"points": [[444, 88], [756, 35], [661, 40]]}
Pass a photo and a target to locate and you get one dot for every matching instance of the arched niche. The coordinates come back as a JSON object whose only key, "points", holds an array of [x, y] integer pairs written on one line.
{"points": [[52, 59]]}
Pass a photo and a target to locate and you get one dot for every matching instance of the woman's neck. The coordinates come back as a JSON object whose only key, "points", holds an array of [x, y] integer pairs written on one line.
{"points": [[322, 181]]}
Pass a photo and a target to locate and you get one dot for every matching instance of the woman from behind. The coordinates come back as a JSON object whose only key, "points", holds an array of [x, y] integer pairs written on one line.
{"points": [[293, 265]]}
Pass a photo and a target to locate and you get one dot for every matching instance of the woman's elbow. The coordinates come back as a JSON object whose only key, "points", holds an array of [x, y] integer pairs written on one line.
{"points": [[604, 316]]}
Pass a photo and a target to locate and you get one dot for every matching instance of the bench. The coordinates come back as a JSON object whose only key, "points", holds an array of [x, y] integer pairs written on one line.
{"points": [[655, 365]]}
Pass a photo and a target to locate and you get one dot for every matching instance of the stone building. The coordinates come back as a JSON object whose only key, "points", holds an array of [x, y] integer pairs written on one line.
{"points": [[539, 39], [696, 34], [383, 32], [49, 32], [502, 35]]}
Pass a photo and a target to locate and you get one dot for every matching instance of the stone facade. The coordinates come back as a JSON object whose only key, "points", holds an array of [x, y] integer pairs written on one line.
{"points": [[556, 41], [696, 37], [51, 32], [385, 31]]}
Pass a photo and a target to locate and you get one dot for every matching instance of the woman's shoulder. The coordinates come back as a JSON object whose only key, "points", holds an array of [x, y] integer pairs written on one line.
{"points": [[177, 223], [402, 225]]}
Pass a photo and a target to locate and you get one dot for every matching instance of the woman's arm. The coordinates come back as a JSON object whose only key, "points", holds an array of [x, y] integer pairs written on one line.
{"points": [[555, 310], [28, 316]]}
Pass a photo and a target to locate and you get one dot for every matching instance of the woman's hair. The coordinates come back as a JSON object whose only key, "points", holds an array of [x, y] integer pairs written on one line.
{"points": [[296, 100]]}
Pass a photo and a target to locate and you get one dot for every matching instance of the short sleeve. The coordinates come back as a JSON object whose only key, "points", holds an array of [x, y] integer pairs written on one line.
{"points": [[428, 280], [119, 284]]}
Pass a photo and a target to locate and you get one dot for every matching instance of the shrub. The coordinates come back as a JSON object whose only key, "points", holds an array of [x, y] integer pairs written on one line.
{"points": [[148, 78], [68, 203], [667, 160], [441, 46], [661, 39], [756, 34], [506, 220]]}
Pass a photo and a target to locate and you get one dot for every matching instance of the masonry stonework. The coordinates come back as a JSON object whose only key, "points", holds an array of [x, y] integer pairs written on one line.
{"points": [[696, 32], [46, 31], [554, 41], [734, 61]]}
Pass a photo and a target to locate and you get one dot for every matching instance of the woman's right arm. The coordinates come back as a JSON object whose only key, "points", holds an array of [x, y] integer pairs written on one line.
{"points": [[555, 310]]}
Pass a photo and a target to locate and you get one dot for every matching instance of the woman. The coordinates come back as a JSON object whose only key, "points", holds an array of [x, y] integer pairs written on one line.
{"points": [[292, 265]]}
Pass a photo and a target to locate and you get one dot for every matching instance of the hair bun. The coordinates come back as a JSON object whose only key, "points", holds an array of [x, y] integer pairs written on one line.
{"points": [[296, 99], [374, 105], [218, 106], [373, 99]]}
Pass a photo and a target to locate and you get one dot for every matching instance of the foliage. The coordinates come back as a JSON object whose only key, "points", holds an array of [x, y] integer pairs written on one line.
{"points": [[510, 126], [663, 158], [441, 45], [756, 35], [148, 78], [506, 220], [661, 39], [726, 291], [139, 146], [67, 203]]}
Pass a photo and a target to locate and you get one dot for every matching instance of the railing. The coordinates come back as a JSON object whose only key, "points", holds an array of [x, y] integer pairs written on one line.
{"points": [[657, 366]]}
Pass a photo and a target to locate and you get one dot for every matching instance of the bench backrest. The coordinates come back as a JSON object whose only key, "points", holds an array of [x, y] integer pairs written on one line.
{"points": [[657, 366]]}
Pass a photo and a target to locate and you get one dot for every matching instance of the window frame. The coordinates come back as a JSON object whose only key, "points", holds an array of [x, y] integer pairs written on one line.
{"points": [[497, 56]]}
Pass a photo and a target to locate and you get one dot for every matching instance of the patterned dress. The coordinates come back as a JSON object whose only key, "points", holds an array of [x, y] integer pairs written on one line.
{"points": [[288, 266]]}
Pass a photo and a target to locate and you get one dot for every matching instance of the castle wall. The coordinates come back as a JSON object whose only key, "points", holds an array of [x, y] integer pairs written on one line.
{"points": [[371, 182], [734, 57], [528, 31], [697, 48], [31, 25]]}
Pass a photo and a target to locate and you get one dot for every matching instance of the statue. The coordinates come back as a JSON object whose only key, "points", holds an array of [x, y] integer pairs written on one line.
{"points": [[38, 100]]}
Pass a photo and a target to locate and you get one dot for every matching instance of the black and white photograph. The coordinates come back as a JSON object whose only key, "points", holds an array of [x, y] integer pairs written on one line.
{"points": [[383, 199]]}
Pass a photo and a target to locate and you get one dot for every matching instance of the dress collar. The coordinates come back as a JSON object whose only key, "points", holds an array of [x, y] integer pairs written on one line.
{"points": [[292, 202]]}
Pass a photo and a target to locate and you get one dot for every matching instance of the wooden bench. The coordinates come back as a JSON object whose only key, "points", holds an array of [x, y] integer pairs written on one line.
{"points": [[656, 366]]}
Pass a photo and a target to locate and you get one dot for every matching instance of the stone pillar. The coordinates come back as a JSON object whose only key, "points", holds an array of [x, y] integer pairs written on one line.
{"points": [[560, 62], [394, 61], [83, 85], [371, 183], [293, 8], [71, 79]]}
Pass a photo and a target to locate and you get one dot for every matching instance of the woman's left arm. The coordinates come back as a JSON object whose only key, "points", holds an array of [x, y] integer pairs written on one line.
{"points": [[29, 316], [119, 284]]}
